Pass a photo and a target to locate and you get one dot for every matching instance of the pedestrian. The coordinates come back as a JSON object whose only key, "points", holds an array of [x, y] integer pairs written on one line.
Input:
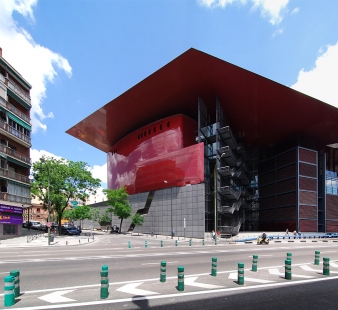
{"points": [[173, 233], [79, 231], [295, 233], [213, 235], [107, 228], [287, 232], [29, 225]]}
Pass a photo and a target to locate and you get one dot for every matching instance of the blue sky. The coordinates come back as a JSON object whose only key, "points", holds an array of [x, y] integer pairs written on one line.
{"points": [[80, 54]]}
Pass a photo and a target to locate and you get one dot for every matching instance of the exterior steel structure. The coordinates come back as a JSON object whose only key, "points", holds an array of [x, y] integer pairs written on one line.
{"points": [[264, 153]]}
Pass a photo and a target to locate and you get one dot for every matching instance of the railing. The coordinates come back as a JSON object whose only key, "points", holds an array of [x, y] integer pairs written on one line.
{"points": [[2, 78], [14, 176], [35, 236], [13, 109], [18, 90], [14, 132], [14, 198], [15, 154]]}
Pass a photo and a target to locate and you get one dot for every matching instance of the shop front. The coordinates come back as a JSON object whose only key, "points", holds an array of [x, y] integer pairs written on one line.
{"points": [[10, 221]]}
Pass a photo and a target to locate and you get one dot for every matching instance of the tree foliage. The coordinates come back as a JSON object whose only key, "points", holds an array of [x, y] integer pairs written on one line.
{"points": [[117, 200], [137, 219], [61, 181]]}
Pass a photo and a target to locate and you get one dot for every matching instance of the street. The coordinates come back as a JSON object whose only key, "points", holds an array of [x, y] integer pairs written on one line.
{"points": [[68, 277]]}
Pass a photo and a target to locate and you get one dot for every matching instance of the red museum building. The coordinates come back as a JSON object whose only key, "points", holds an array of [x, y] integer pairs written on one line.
{"points": [[202, 144]]}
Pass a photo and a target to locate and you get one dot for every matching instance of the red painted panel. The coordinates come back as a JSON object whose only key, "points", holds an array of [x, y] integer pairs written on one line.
{"points": [[308, 156], [308, 198], [159, 151], [332, 226], [308, 212], [308, 226], [332, 207]]}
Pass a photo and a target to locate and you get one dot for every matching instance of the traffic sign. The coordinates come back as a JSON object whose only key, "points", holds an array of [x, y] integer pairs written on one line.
{"points": [[49, 224], [74, 202]]}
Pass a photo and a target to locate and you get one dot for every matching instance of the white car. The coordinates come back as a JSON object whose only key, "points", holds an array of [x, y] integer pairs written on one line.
{"points": [[35, 225]]}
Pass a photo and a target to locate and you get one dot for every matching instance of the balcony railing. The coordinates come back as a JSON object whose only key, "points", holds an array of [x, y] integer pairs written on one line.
{"points": [[14, 132], [14, 176], [14, 198], [13, 109], [2, 78], [10, 152], [19, 91]]}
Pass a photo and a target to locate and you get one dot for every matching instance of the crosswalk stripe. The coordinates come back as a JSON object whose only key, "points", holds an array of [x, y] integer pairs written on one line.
{"points": [[276, 272], [308, 268]]}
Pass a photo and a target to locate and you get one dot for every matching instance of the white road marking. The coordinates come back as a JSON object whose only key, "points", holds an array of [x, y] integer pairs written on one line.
{"points": [[276, 272], [159, 263], [191, 281], [261, 255], [176, 295], [308, 268], [131, 289], [334, 265], [31, 255], [56, 297], [234, 276]]}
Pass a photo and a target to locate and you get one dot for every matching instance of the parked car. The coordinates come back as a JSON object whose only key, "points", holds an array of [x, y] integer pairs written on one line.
{"points": [[68, 230], [35, 225], [42, 227]]}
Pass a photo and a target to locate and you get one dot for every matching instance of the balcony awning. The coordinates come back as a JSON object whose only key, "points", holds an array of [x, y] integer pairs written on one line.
{"points": [[18, 162], [19, 121], [18, 98]]}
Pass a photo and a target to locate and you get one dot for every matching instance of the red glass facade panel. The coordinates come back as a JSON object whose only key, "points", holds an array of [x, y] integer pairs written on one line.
{"points": [[161, 151]]}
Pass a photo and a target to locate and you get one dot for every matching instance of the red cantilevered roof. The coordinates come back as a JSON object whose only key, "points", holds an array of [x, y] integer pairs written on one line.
{"points": [[263, 111]]}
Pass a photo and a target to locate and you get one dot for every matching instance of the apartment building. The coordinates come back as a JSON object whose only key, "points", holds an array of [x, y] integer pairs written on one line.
{"points": [[15, 144]]}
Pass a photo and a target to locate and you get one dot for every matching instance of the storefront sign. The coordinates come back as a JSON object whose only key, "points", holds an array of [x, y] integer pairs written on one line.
{"points": [[10, 219], [10, 209], [10, 215]]}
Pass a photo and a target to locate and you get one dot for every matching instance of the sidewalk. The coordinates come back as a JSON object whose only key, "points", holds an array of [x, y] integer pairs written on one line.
{"points": [[34, 238]]}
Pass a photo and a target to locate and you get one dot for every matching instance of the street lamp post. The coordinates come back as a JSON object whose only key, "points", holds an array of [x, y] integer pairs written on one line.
{"points": [[171, 209], [48, 219]]}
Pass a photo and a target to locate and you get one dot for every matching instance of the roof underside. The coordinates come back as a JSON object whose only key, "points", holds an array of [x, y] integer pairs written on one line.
{"points": [[263, 111]]}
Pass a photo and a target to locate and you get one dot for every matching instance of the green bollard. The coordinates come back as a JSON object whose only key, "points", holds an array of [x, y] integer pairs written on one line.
{"points": [[288, 269], [104, 282], [254, 262], [317, 257], [129, 246], [214, 266], [202, 241], [240, 278], [289, 256], [16, 275], [163, 276], [190, 242], [161, 243], [9, 297], [326, 266], [180, 283], [145, 243], [176, 243]]}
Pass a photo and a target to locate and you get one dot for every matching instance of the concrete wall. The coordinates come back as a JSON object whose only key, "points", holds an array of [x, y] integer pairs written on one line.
{"points": [[186, 202]]}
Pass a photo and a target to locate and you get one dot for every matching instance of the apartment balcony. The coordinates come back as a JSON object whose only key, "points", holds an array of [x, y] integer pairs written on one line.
{"points": [[226, 153], [14, 198], [226, 171], [13, 109], [228, 137], [19, 91], [14, 134], [6, 150], [14, 176], [229, 192]]}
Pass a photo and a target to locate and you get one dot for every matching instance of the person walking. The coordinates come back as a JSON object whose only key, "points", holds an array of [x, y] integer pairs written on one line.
{"points": [[287, 232], [213, 235]]}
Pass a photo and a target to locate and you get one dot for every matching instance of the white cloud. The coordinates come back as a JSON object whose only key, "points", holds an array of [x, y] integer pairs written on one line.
{"points": [[270, 9], [36, 155], [321, 82], [100, 172], [294, 11], [36, 63]]}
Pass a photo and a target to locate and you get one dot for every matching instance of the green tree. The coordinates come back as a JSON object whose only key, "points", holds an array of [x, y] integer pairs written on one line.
{"points": [[61, 181], [137, 219], [81, 213], [117, 200]]}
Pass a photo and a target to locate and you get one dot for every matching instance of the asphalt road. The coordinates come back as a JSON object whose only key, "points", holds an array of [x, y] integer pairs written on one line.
{"points": [[69, 277]]}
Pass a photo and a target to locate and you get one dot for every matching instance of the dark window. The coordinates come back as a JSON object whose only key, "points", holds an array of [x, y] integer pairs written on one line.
{"points": [[10, 229], [161, 127], [154, 129], [145, 133], [168, 124], [149, 131], [141, 135]]}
